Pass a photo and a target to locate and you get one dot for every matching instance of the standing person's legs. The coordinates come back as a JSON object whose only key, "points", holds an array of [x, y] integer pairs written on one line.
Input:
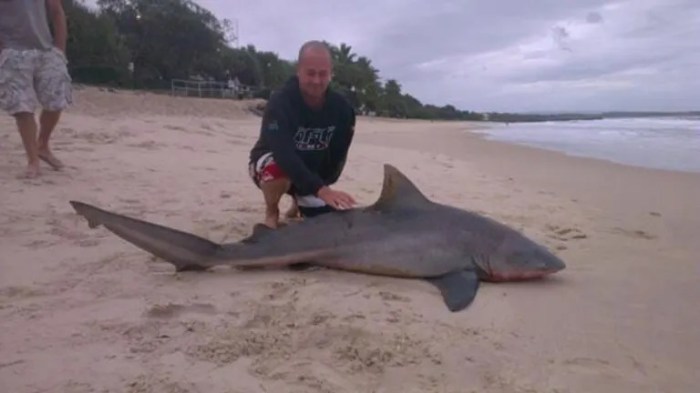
{"points": [[18, 99], [28, 77], [54, 92]]}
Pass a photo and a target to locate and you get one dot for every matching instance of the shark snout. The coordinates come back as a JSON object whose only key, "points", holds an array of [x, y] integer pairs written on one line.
{"points": [[534, 262], [551, 263]]}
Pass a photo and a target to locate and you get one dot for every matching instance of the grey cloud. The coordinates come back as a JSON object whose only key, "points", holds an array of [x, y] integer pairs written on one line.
{"points": [[559, 35], [594, 17], [471, 27]]}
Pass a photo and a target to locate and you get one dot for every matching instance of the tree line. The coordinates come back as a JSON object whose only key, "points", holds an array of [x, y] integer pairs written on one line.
{"points": [[144, 44]]}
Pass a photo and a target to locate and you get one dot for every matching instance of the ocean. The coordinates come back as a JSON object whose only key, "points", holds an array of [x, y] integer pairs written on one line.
{"points": [[662, 143]]}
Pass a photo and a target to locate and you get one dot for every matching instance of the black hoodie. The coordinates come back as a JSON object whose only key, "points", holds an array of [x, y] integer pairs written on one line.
{"points": [[310, 146]]}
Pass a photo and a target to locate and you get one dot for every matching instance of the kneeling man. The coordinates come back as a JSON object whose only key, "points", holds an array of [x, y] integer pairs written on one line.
{"points": [[306, 132]]}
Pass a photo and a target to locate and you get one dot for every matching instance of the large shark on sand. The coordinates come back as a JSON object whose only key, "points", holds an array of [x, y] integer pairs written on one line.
{"points": [[403, 234]]}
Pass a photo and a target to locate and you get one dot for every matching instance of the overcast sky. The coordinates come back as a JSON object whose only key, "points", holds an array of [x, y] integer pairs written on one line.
{"points": [[502, 55]]}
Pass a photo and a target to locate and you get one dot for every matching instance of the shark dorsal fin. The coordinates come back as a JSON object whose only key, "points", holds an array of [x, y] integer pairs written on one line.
{"points": [[398, 191]]}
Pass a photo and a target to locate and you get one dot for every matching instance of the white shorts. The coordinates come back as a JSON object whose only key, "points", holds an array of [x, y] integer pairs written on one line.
{"points": [[32, 78]]}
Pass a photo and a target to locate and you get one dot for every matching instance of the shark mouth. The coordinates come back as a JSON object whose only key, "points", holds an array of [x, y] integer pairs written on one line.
{"points": [[486, 272]]}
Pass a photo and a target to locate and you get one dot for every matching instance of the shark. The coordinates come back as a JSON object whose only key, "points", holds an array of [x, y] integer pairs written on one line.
{"points": [[403, 234]]}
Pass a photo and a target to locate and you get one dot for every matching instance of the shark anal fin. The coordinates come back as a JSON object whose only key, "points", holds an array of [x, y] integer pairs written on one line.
{"points": [[458, 288]]}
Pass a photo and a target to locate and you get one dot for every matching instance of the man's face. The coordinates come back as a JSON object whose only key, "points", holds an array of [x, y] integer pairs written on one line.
{"points": [[314, 72]]}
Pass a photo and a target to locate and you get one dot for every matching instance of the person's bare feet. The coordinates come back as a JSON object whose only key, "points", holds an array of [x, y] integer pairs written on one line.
{"points": [[272, 218], [32, 171], [292, 212], [47, 156]]}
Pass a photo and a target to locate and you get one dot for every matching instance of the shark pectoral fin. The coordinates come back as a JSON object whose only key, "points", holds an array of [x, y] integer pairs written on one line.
{"points": [[458, 288]]}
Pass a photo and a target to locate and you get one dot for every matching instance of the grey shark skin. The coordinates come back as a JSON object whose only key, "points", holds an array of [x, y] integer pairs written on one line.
{"points": [[403, 234]]}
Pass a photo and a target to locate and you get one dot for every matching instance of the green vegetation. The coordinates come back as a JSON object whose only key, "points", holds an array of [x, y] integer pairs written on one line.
{"points": [[178, 39]]}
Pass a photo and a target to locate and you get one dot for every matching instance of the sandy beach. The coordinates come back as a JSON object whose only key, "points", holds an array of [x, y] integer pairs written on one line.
{"points": [[83, 311]]}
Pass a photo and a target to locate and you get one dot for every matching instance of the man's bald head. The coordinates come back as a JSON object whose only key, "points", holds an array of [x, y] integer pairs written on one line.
{"points": [[314, 48], [314, 69]]}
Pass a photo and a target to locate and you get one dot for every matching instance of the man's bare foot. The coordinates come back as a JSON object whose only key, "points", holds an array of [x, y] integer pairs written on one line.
{"points": [[293, 212], [31, 172], [50, 159], [272, 218]]}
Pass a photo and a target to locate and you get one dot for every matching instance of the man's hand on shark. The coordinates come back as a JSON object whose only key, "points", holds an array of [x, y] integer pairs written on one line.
{"points": [[336, 199]]}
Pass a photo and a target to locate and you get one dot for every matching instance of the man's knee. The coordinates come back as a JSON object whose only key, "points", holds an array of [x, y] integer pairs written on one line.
{"points": [[23, 115], [24, 120], [269, 177], [275, 187]]}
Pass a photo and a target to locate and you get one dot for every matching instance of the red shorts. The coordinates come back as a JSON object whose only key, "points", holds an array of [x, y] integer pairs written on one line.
{"points": [[265, 169]]}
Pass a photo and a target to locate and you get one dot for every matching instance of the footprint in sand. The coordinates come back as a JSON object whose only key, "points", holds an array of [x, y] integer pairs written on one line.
{"points": [[19, 292], [391, 297], [11, 363], [235, 142], [38, 244], [148, 145], [583, 361], [564, 234], [129, 201], [635, 233], [102, 138], [84, 149], [285, 289], [172, 310], [447, 165], [586, 364], [62, 229]]}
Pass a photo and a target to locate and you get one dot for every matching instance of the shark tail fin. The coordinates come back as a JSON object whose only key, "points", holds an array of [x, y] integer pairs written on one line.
{"points": [[184, 250]]}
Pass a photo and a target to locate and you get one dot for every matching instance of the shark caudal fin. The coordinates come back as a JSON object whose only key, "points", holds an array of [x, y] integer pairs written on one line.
{"points": [[184, 250]]}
